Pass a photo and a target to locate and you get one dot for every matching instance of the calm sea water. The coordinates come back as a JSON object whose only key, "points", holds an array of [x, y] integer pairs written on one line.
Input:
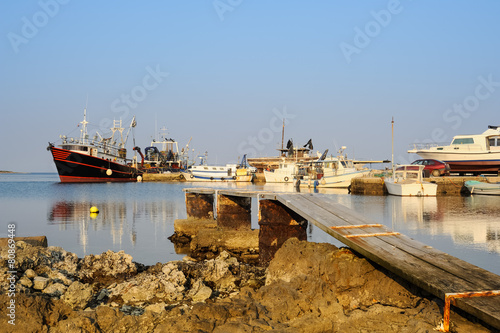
{"points": [[139, 217]]}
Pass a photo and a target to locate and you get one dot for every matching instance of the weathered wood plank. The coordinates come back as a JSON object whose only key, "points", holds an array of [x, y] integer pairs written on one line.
{"points": [[199, 190], [239, 193]]}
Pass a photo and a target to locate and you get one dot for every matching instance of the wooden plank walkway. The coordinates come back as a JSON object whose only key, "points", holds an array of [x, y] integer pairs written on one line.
{"points": [[430, 269]]}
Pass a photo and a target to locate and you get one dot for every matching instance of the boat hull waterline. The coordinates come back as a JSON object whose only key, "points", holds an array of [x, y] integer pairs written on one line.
{"points": [[408, 190]]}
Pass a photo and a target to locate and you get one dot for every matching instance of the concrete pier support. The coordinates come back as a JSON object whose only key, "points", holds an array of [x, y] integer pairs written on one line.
{"points": [[234, 212], [277, 224], [200, 205]]}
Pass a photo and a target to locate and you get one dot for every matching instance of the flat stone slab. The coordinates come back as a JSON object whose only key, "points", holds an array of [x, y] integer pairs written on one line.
{"points": [[35, 241]]}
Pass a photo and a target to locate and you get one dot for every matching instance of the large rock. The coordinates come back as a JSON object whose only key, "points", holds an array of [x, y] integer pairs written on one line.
{"points": [[55, 289], [30, 273], [41, 259], [354, 280], [199, 292], [33, 240], [78, 295], [106, 267], [34, 313], [40, 282], [63, 261], [208, 243], [218, 272], [25, 282], [166, 285]]}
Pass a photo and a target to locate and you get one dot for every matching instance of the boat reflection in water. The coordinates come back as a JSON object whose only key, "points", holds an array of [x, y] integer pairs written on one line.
{"points": [[116, 223], [468, 220]]}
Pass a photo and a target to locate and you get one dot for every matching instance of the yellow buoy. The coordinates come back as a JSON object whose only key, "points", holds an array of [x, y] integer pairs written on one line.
{"points": [[93, 216], [94, 209]]}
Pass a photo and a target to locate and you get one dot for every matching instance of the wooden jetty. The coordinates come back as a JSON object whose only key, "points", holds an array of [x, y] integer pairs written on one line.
{"points": [[285, 215]]}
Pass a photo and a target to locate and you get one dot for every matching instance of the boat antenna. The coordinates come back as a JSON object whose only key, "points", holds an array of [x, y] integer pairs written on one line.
{"points": [[156, 128], [283, 134], [83, 138], [133, 123], [392, 155]]}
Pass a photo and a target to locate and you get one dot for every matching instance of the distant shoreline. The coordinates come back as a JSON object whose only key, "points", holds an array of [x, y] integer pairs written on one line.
{"points": [[19, 172]]}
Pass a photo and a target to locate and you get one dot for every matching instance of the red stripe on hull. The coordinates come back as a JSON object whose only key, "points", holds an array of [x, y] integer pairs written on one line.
{"points": [[73, 179], [88, 165], [474, 166]]}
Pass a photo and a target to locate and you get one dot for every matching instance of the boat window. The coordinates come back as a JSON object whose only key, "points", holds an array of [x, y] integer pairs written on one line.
{"points": [[494, 142], [206, 168], [75, 147], [463, 141]]}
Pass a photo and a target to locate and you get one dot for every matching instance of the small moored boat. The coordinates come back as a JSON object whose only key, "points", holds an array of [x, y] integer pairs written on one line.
{"points": [[407, 181], [332, 172], [477, 187], [222, 173]]}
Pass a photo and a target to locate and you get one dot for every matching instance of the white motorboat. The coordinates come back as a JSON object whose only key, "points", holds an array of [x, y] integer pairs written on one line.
{"points": [[467, 153], [285, 173], [335, 172], [228, 173], [332, 172], [407, 181], [477, 187], [210, 173]]}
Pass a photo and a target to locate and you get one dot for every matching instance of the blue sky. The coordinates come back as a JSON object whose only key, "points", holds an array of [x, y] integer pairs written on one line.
{"points": [[226, 72]]}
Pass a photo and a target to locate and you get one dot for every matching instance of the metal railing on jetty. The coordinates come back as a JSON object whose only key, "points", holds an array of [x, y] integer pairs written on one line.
{"points": [[285, 215]]}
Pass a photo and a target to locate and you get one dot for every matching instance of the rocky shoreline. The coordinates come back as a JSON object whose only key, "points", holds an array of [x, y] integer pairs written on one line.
{"points": [[307, 287]]}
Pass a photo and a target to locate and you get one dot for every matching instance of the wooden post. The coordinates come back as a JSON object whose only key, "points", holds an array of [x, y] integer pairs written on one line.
{"points": [[233, 212], [200, 206], [277, 224]]}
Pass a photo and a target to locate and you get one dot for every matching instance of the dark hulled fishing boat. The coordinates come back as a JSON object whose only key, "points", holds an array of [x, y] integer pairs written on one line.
{"points": [[95, 160]]}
